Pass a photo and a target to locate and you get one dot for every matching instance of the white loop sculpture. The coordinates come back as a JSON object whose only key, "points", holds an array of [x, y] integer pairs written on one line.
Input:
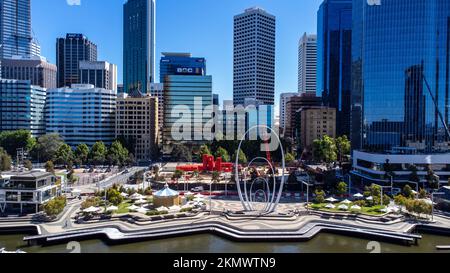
{"points": [[246, 197]]}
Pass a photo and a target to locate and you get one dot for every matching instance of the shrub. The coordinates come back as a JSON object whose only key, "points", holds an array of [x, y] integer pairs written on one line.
{"points": [[54, 207]]}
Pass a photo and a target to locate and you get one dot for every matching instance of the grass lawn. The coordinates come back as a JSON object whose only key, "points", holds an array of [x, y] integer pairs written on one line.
{"points": [[123, 207], [365, 210]]}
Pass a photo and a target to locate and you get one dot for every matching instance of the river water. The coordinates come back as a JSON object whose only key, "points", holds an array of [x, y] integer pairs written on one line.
{"points": [[323, 243]]}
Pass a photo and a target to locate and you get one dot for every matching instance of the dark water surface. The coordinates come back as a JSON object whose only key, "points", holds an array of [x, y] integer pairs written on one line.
{"points": [[323, 243]]}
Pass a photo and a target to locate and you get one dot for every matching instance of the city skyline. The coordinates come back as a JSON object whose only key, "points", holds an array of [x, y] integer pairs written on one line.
{"points": [[211, 45]]}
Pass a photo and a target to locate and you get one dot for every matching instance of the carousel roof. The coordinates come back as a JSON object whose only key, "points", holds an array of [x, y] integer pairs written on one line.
{"points": [[166, 192]]}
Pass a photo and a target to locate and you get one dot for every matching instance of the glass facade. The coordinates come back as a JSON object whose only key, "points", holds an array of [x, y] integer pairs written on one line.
{"points": [[22, 107], [139, 45], [334, 59], [191, 94], [176, 63], [15, 28], [81, 114], [69, 52], [400, 69]]}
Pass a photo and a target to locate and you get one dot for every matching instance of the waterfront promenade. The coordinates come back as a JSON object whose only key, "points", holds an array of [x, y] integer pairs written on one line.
{"points": [[294, 223]]}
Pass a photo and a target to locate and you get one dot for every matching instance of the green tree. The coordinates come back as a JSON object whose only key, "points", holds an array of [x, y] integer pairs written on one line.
{"points": [[407, 192], [177, 175], [113, 196], [117, 154], [320, 196], [342, 188], [343, 146], [82, 153], [423, 194], [289, 158], [47, 147], [28, 165], [221, 152], [13, 140], [413, 176], [181, 153], [5, 161], [64, 155], [97, 155], [215, 177], [242, 157], [324, 150], [204, 150], [50, 167], [432, 178], [54, 207]]}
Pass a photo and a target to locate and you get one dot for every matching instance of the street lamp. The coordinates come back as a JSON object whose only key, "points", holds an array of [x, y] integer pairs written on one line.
{"points": [[307, 193]]}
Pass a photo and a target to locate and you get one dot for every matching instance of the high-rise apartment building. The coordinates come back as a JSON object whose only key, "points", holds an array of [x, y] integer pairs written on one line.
{"points": [[307, 64], [69, 52], [139, 28], [35, 69], [254, 57], [99, 74], [81, 114], [137, 123], [334, 54], [400, 87], [22, 107], [157, 90]]}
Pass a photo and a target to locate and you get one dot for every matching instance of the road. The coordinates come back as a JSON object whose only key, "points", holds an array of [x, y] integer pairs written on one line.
{"points": [[118, 179]]}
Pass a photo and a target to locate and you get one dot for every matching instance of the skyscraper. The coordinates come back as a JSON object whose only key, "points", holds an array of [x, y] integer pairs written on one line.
{"points": [[15, 28], [307, 64], [254, 57], [284, 98], [174, 63], [139, 28], [334, 28], [400, 86], [69, 52]]}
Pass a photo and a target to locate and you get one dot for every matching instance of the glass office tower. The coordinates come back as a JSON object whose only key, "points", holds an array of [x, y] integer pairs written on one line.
{"points": [[334, 34], [15, 28], [400, 71], [139, 44], [175, 63]]}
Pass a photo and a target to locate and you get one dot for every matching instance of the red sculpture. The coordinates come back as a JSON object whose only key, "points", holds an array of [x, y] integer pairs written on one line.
{"points": [[209, 165]]}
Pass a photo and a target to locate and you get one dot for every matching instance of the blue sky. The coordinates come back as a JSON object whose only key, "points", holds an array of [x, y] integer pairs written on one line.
{"points": [[203, 27]]}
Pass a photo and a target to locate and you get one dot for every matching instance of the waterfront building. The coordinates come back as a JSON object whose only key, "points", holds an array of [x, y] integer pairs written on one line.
{"points": [[293, 105], [334, 55], [35, 69], [69, 52], [254, 57], [22, 107], [139, 40], [284, 97], [81, 114], [137, 124], [307, 64], [100, 74], [315, 122], [173, 63], [26, 192], [400, 93], [187, 104]]}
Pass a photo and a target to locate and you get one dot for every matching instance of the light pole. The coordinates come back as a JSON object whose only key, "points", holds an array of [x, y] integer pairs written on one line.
{"points": [[307, 193], [432, 203]]}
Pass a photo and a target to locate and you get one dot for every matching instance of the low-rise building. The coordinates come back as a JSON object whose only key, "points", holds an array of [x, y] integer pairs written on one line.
{"points": [[315, 123], [137, 123], [26, 192], [81, 114], [22, 106]]}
